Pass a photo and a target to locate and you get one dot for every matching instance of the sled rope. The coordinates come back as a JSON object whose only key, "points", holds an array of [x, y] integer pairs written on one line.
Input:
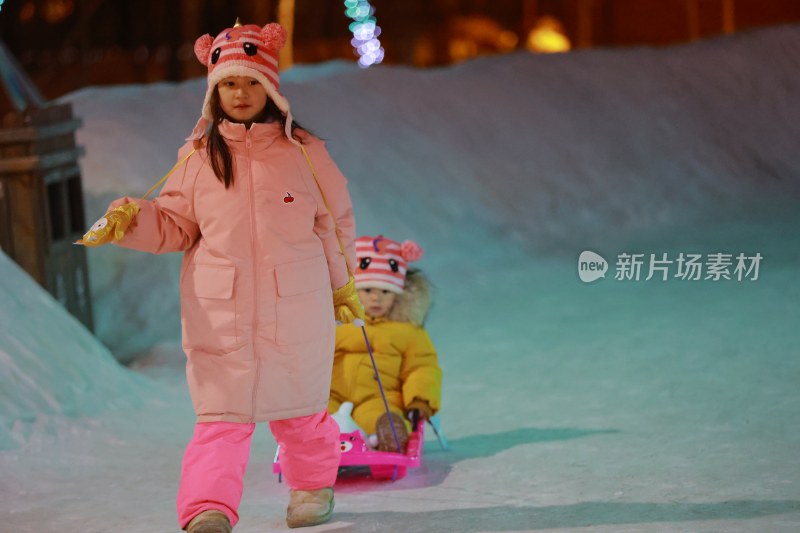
{"points": [[356, 322], [168, 174], [328, 207]]}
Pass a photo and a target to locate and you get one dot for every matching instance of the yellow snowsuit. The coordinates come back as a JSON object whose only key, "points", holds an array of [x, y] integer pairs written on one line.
{"points": [[406, 361]]}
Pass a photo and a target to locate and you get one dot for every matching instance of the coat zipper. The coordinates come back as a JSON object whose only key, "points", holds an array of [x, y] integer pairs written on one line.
{"points": [[248, 143]]}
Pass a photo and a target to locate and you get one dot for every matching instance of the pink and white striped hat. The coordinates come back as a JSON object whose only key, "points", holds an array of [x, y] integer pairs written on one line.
{"points": [[382, 262], [245, 50]]}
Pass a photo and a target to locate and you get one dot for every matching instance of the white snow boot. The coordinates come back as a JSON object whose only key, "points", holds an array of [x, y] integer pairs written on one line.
{"points": [[309, 507], [210, 521]]}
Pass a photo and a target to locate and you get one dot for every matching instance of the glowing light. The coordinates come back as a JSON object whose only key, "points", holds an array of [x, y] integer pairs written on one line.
{"points": [[507, 41], [474, 35], [27, 11], [55, 11], [365, 32], [548, 36], [461, 49]]}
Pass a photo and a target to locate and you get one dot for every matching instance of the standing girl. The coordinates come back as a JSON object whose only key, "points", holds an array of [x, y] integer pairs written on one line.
{"points": [[262, 262]]}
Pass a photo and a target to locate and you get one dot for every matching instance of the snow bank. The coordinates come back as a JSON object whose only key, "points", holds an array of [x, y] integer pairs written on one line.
{"points": [[558, 150], [556, 153], [49, 363]]}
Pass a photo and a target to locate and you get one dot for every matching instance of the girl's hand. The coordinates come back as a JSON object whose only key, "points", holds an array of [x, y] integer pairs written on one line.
{"points": [[421, 407], [346, 305], [111, 226]]}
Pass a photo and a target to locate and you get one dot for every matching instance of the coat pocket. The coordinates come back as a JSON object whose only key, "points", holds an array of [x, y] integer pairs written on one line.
{"points": [[208, 308], [305, 303]]}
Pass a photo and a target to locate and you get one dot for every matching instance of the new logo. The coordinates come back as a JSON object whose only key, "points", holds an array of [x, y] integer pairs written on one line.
{"points": [[591, 266]]}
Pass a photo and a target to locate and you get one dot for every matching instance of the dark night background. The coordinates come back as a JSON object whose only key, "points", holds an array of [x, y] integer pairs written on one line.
{"points": [[68, 44]]}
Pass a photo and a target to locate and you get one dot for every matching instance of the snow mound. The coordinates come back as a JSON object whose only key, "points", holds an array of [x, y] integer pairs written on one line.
{"points": [[49, 363], [551, 154]]}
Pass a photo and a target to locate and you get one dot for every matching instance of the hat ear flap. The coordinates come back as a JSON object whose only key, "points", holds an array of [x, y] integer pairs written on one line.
{"points": [[274, 36], [202, 48], [411, 251]]}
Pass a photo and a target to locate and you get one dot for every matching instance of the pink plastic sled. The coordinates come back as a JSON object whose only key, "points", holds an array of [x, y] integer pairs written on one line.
{"points": [[382, 465]]}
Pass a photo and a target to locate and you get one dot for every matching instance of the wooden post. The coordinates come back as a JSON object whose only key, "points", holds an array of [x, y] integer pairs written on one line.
{"points": [[286, 19], [693, 19], [585, 22], [728, 16], [261, 12], [6, 239], [41, 197], [528, 16], [172, 11], [191, 27]]}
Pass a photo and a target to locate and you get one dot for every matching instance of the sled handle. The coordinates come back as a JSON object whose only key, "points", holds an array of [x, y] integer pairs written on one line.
{"points": [[383, 394]]}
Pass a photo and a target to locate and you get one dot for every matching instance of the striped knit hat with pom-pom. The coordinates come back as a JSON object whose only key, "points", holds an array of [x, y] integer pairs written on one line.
{"points": [[382, 262], [245, 50]]}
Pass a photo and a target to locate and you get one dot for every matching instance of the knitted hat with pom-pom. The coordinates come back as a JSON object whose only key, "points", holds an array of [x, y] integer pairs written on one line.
{"points": [[382, 262], [245, 50]]}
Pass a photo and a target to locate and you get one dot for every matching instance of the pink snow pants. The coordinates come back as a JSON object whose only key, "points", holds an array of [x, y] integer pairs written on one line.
{"points": [[212, 476]]}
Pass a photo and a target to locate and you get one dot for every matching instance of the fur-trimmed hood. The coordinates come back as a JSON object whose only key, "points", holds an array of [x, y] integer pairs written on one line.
{"points": [[413, 304]]}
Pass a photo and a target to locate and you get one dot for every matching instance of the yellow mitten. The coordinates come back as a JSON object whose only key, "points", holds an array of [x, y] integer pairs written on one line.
{"points": [[111, 227], [423, 407], [346, 305]]}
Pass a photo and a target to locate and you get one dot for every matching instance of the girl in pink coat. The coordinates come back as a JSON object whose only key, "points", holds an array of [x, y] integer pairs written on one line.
{"points": [[261, 265]]}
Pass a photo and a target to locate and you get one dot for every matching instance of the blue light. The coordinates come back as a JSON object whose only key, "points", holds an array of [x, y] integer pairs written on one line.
{"points": [[365, 32]]}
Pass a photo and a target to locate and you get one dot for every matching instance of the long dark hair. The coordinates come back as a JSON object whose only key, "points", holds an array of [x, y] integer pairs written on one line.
{"points": [[219, 153]]}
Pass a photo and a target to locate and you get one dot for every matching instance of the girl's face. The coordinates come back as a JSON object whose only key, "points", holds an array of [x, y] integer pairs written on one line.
{"points": [[377, 302], [242, 98]]}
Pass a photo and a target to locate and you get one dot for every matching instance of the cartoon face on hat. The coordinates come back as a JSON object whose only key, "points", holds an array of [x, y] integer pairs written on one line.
{"points": [[382, 262], [244, 50]]}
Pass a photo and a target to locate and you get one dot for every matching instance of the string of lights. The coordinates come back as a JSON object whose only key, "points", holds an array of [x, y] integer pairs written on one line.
{"points": [[365, 32]]}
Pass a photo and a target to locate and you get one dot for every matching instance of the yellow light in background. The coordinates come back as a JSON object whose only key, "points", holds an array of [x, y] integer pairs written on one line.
{"points": [[547, 36], [462, 49], [57, 10], [474, 35], [507, 41], [27, 11], [424, 52]]}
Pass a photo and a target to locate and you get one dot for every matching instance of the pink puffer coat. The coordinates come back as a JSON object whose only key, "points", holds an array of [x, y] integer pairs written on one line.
{"points": [[261, 259]]}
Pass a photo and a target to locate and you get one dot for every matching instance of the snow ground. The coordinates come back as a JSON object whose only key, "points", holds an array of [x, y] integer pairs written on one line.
{"points": [[616, 406]]}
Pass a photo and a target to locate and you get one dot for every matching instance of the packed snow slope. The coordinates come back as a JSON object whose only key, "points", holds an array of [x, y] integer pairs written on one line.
{"points": [[616, 406], [554, 153], [49, 363]]}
